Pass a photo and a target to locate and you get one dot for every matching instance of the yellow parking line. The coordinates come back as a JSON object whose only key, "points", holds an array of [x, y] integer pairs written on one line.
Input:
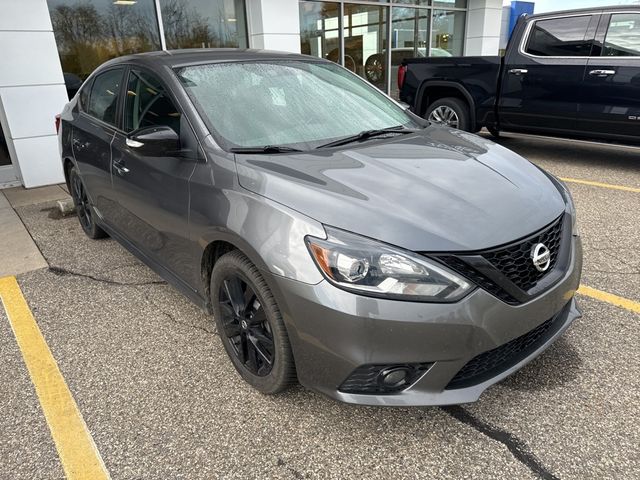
{"points": [[610, 298], [78, 453], [599, 184]]}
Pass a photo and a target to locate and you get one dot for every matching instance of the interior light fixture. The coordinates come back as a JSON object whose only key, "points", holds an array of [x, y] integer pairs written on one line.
{"points": [[125, 2]]}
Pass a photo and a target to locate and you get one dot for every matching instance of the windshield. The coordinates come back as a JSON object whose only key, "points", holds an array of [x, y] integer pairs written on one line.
{"points": [[294, 103]]}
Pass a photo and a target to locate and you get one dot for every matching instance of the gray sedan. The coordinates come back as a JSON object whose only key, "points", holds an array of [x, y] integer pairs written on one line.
{"points": [[337, 239]]}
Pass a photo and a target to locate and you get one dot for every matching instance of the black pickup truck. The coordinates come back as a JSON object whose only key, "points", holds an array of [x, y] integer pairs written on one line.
{"points": [[572, 74]]}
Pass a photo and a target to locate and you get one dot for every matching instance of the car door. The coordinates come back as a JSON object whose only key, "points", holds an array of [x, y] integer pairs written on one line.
{"points": [[151, 187], [92, 134], [540, 87], [612, 80]]}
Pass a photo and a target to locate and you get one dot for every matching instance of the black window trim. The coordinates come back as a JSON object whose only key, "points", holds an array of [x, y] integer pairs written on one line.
{"points": [[522, 49]]}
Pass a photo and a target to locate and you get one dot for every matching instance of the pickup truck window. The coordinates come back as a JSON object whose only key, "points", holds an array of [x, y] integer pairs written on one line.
{"points": [[560, 37], [623, 36]]}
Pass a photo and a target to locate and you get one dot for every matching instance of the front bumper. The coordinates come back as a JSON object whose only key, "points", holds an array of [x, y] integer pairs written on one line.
{"points": [[333, 332]]}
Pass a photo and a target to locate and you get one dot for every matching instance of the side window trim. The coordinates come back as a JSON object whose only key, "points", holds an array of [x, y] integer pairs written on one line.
{"points": [[522, 48]]}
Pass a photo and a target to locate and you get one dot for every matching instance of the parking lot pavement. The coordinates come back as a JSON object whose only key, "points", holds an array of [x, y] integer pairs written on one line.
{"points": [[161, 400]]}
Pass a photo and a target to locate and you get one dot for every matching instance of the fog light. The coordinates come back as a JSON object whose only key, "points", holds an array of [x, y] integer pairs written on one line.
{"points": [[394, 377], [383, 379]]}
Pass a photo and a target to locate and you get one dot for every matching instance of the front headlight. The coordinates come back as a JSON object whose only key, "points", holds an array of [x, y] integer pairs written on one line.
{"points": [[371, 268]]}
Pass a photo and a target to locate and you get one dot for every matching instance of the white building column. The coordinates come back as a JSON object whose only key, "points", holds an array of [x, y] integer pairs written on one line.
{"points": [[32, 90], [274, 25], [483, 27]]}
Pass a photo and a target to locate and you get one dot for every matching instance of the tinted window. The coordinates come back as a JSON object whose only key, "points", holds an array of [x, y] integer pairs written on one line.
{"points": [[104, 96], [84, 96], [623, 36], [560, 37], [147, 104]]}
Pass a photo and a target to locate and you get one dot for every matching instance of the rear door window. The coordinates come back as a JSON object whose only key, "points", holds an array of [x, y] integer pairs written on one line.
{"points": [[560, 37], [103, 100], [623, 36], [147, 104]]}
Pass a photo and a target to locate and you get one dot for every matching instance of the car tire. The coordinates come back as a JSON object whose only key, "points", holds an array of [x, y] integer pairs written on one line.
{"points": [[440, 110], [251, 326], [84, 210]]}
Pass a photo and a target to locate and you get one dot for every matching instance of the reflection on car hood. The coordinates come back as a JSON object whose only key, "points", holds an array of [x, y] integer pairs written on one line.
{"points": [[437, 190]]}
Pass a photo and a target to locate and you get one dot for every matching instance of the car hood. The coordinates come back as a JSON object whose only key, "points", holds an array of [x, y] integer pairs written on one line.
{"points": [[437, 190]]}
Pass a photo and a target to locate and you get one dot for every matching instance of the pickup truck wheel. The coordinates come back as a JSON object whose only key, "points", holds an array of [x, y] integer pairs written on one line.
{"points": [[449, 111]]}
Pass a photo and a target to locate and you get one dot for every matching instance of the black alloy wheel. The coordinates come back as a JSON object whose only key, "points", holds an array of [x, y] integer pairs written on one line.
{"points": [[83, 206], [245, 325], [250, 324]]}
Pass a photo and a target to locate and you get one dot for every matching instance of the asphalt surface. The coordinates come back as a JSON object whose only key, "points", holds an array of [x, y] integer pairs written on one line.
{"points": [[161, 400]]}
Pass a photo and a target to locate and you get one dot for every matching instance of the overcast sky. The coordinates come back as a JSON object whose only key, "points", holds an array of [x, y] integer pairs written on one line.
{"points": [[551, 5]]}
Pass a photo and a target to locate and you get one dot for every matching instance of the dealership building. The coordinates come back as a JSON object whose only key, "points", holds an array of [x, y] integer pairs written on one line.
{"points": [[48, 47]]}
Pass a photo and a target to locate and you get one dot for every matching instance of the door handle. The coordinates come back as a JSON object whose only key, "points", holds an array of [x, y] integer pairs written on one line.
{"points": [[120, 169], [602, 73], [518, 71]]}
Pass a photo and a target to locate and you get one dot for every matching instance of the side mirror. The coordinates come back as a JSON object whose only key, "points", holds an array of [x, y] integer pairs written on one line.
{"points": [[158, 141]]}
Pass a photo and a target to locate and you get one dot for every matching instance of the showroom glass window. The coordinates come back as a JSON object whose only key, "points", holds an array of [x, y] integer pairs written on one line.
{"points": [[623, 36], [409, 39], [560, 37], [364, 47], [365, 33], [90, 32], [447, 35], [320, 30], [204, 23]]}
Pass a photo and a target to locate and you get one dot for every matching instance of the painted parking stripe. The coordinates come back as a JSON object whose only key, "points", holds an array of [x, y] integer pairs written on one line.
{"points": [[610, 298], [599, 184], [78, 453]]}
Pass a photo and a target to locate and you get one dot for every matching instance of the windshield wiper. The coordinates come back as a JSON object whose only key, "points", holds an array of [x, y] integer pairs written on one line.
{"points": [[265, 149], [366, 135]]}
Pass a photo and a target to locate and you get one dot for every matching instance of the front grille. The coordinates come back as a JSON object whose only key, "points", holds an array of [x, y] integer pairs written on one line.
{"points": [[479, 279], [515, 262], [491, 363], [512, 261]]}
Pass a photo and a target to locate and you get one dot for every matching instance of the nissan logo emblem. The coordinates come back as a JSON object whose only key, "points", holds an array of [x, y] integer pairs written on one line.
{"points": [[541, 257]]}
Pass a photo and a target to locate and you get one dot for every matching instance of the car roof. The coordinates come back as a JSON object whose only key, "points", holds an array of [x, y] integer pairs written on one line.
{"points": [[613, 8], [195, 56]]}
